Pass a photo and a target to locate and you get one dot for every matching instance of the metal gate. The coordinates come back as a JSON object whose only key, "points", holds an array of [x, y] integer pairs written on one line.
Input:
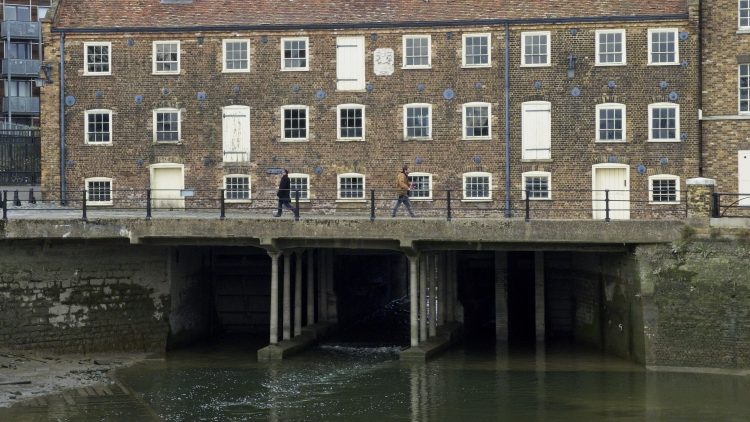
{"points": [[20, 151]]}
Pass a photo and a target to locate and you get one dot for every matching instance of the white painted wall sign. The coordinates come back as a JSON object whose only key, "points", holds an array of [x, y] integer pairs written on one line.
{"points": [[383, 61]]}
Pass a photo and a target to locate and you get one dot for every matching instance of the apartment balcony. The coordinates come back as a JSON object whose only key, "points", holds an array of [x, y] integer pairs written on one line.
{"points": [[22, 106], [21, 30], [21, 68]]}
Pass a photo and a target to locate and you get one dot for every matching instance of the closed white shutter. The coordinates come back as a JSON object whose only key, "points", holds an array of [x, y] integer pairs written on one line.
{"points": [[616, 181], [743, 172], [350, 63], [236, 133], [536, 137]]}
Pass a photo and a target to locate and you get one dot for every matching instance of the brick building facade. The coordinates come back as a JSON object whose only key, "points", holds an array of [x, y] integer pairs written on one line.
{"points": [[171, 98]]}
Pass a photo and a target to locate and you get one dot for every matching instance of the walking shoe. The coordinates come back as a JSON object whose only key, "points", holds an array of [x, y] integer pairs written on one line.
{"points": [[277, 215]]}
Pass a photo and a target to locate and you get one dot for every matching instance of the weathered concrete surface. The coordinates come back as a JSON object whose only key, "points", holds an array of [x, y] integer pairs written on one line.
{"points": [[286, 348], [696, 303], [446, 336], [381, 233]]}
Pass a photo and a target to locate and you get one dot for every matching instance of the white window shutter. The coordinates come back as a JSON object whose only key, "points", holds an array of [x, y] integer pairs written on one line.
{"points": [[536, 136], [236, 133], [350, 63]]}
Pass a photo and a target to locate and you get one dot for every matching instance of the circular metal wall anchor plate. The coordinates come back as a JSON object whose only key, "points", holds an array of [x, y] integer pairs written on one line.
{"points": [[448, 94], [70, 101], [320, 94], [576, 92]]}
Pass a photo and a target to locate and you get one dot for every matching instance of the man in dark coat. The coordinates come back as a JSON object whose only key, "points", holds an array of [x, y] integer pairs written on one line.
{"points": [[283, 194]]}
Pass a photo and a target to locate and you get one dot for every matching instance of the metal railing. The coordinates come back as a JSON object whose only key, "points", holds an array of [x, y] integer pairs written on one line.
{"points": [[730, 204], [149, 203]]}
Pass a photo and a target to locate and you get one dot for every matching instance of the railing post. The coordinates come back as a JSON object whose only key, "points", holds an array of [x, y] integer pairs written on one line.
{"points": [[448, 204], [372, 205], [32, 199], [296, 205], [223, 208], [148, 204], [527, 203], [606, 205], [5, 205], [16, 199], [715, 205], [83, 206]]}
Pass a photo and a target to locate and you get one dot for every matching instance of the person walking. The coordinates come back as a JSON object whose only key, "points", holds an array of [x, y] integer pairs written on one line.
{"points": [[283, 194], [403, 187]]}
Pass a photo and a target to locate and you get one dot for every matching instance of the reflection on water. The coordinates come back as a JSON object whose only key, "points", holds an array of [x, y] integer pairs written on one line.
{"points": [[352, 384]]}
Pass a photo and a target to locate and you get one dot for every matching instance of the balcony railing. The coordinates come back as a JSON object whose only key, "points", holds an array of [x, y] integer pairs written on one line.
{"points": [[21, 105], [20, 30], [21, 67], [726, 204]]}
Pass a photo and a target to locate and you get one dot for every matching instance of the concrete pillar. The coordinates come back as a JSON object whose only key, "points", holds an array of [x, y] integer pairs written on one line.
{"points": [[422, 298], [433, 294], [331, 293], [450, 274], [539, 294], [501, 296], [440, 267], [322, 289], [298, 293], [287, 298], [699, 197], [413, 300], [310, 287], [274, 297]]}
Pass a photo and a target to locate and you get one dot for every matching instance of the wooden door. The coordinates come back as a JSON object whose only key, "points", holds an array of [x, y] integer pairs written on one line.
{"points": [[614, 179]]}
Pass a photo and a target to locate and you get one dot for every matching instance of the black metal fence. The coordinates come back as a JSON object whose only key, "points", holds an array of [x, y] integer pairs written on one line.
{"points": [[371, 204], [725, 204], [20, 157]]}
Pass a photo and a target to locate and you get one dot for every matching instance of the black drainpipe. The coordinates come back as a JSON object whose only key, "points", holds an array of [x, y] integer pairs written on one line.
{"points": [[62, 119], [508, 214]]}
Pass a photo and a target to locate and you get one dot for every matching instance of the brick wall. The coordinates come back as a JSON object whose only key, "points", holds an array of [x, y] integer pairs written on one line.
{"points": [[83, 297], [447, 156]]}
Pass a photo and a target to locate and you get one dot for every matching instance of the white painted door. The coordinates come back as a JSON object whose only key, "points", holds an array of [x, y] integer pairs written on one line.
{"points": [[166, 184], [614, 179], [236, 133], [350, 63], [743, 172], [536, 135]]}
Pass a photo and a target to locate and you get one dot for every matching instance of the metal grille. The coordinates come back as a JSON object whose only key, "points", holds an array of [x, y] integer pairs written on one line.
{"points": [[20, 152]]}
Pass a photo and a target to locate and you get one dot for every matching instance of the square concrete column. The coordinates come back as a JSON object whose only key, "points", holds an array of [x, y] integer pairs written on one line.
{"points": [[423, 298], [310, 287], [539, 295], [331, 292], [414, 300], [274, 297], [442, 286], [298, 293], [287, 326], [501, 296], [451, 290], [322, 289], [432, 294]]}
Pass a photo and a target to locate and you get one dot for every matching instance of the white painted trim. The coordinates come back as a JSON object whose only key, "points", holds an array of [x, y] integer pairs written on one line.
{"points": [[463, 121], [596, 167], [403, 120], [99, 179], [86, 45], [429, 51], [338, 122], [677, 121], [224, 43], [429, 192], [523, 48], [476, 174], [608, 106], [352, 175], [307, 54], [676, 46], [307, 123], [179, 124], [546, 174], [739, 100], [489, 49], [663, 177], [309, 190], [86, 115], [597, 44], [153, 58], [249, 189], [741, 29]]}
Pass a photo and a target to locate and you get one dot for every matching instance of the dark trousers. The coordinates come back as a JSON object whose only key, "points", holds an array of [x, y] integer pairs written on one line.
{"points": [[284, 203], [403, 199]]}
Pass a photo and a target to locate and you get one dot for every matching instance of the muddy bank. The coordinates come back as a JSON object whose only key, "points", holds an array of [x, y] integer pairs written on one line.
{"points": [[27, 375]]}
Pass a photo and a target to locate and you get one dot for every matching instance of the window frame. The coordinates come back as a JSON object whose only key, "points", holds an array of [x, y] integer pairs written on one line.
{"points": [[307, 123], [300, 176], [93, 203], [338, 122], [351, 175], [597, 44], [651, 107], [739, 88], [224, 43], [488, 35], [663, 177], [466, 137], [739, 17], [464, 198], [179, 125], [154, 63], [86, 46], [676, 61], [284, 68], [429, 186], [523, 48], [404, 121], [546, 174], [597, 128], [249, 189], [429, 51], [86, 115]]}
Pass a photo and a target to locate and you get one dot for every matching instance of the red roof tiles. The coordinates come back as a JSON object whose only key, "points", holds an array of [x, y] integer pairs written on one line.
{"points": [[307, 13]]}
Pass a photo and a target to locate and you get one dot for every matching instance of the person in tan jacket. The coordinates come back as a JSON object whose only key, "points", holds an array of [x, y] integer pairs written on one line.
{"points": [[403, 187]]}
